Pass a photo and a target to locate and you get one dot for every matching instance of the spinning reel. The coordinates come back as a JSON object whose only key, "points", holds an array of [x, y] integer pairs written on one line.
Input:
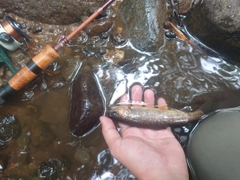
{"points": [[12, 34]]}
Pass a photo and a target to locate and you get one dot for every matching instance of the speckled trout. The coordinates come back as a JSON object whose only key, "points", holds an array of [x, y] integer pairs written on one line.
{"points": [[152, 117]]}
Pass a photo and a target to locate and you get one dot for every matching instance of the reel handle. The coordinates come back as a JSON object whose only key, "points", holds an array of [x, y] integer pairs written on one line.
{"points": [[30, 71]]}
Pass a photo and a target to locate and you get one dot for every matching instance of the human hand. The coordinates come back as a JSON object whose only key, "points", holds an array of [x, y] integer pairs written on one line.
{"points": [[149, 154]]}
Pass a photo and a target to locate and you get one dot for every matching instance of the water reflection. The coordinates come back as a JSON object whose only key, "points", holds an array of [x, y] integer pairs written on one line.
{"points": [[178, 72], [110, 168]]}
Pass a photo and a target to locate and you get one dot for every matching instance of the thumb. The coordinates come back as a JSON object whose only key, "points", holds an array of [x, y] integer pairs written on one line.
{"points": [[109, 131]]}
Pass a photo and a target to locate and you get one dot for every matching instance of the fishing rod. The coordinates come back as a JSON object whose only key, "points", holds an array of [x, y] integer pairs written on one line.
{"points": [[42, 60]]}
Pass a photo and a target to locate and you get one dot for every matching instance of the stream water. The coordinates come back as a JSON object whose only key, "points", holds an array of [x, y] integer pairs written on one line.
{"points": [[45, 149]]}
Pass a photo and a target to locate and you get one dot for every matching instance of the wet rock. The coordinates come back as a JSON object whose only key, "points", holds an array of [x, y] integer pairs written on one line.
{"points": [[107, 166], [35, 30], [99, 26], [88, 51], [101, 52], [182, 132], [13, 177], [47, 170], [216, 23], [105, 159], [170, 34], [24, 140], [9, 128], [2, 13], [1, 72], [104, 36], [79, 39], [96, 46], [118, 39], [70, 69], [53, 168], [41, 135], [115, 55], [3, 162], [51, 12], [186, 5], [86, 105], [143, 21], [22, 114]]}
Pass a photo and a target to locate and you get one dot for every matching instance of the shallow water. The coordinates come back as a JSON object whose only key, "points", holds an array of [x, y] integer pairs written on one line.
{"points": [[178, 72]]}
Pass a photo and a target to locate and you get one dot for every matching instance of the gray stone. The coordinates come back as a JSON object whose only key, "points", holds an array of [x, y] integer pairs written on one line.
{"points": [[51, 11], [186, 5], [143, 20], [216, 23]]}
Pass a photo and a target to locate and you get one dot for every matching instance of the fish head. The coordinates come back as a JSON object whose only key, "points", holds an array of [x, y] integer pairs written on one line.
{"points": [[118, 111]]}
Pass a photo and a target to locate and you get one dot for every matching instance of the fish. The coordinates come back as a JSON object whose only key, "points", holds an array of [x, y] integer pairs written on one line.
{"points": [[120, 90], [151, 117]]}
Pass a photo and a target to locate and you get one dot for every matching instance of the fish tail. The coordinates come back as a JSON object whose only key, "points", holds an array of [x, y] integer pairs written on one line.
{"points": [[196, 115]]}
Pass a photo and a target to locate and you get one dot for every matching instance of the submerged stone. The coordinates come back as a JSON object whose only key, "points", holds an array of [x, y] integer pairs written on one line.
{"points": [[52, 168], [86, 105], [10, 128], [42, 135], [82, 155]]}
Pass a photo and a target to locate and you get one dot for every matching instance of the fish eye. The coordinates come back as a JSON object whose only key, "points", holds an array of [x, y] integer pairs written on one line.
{"points": [[113, 114]]}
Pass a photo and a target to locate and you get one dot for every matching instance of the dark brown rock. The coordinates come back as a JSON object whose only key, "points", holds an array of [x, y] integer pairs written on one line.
{"points": [[51, 11], [86, 105], [99, 26]]}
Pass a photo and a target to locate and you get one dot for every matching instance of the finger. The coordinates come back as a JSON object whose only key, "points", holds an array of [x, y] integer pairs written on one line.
{"points": [[109, 131], [162, 104], [123, 127], [136, 95], [149, 97], [124, 100]]}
